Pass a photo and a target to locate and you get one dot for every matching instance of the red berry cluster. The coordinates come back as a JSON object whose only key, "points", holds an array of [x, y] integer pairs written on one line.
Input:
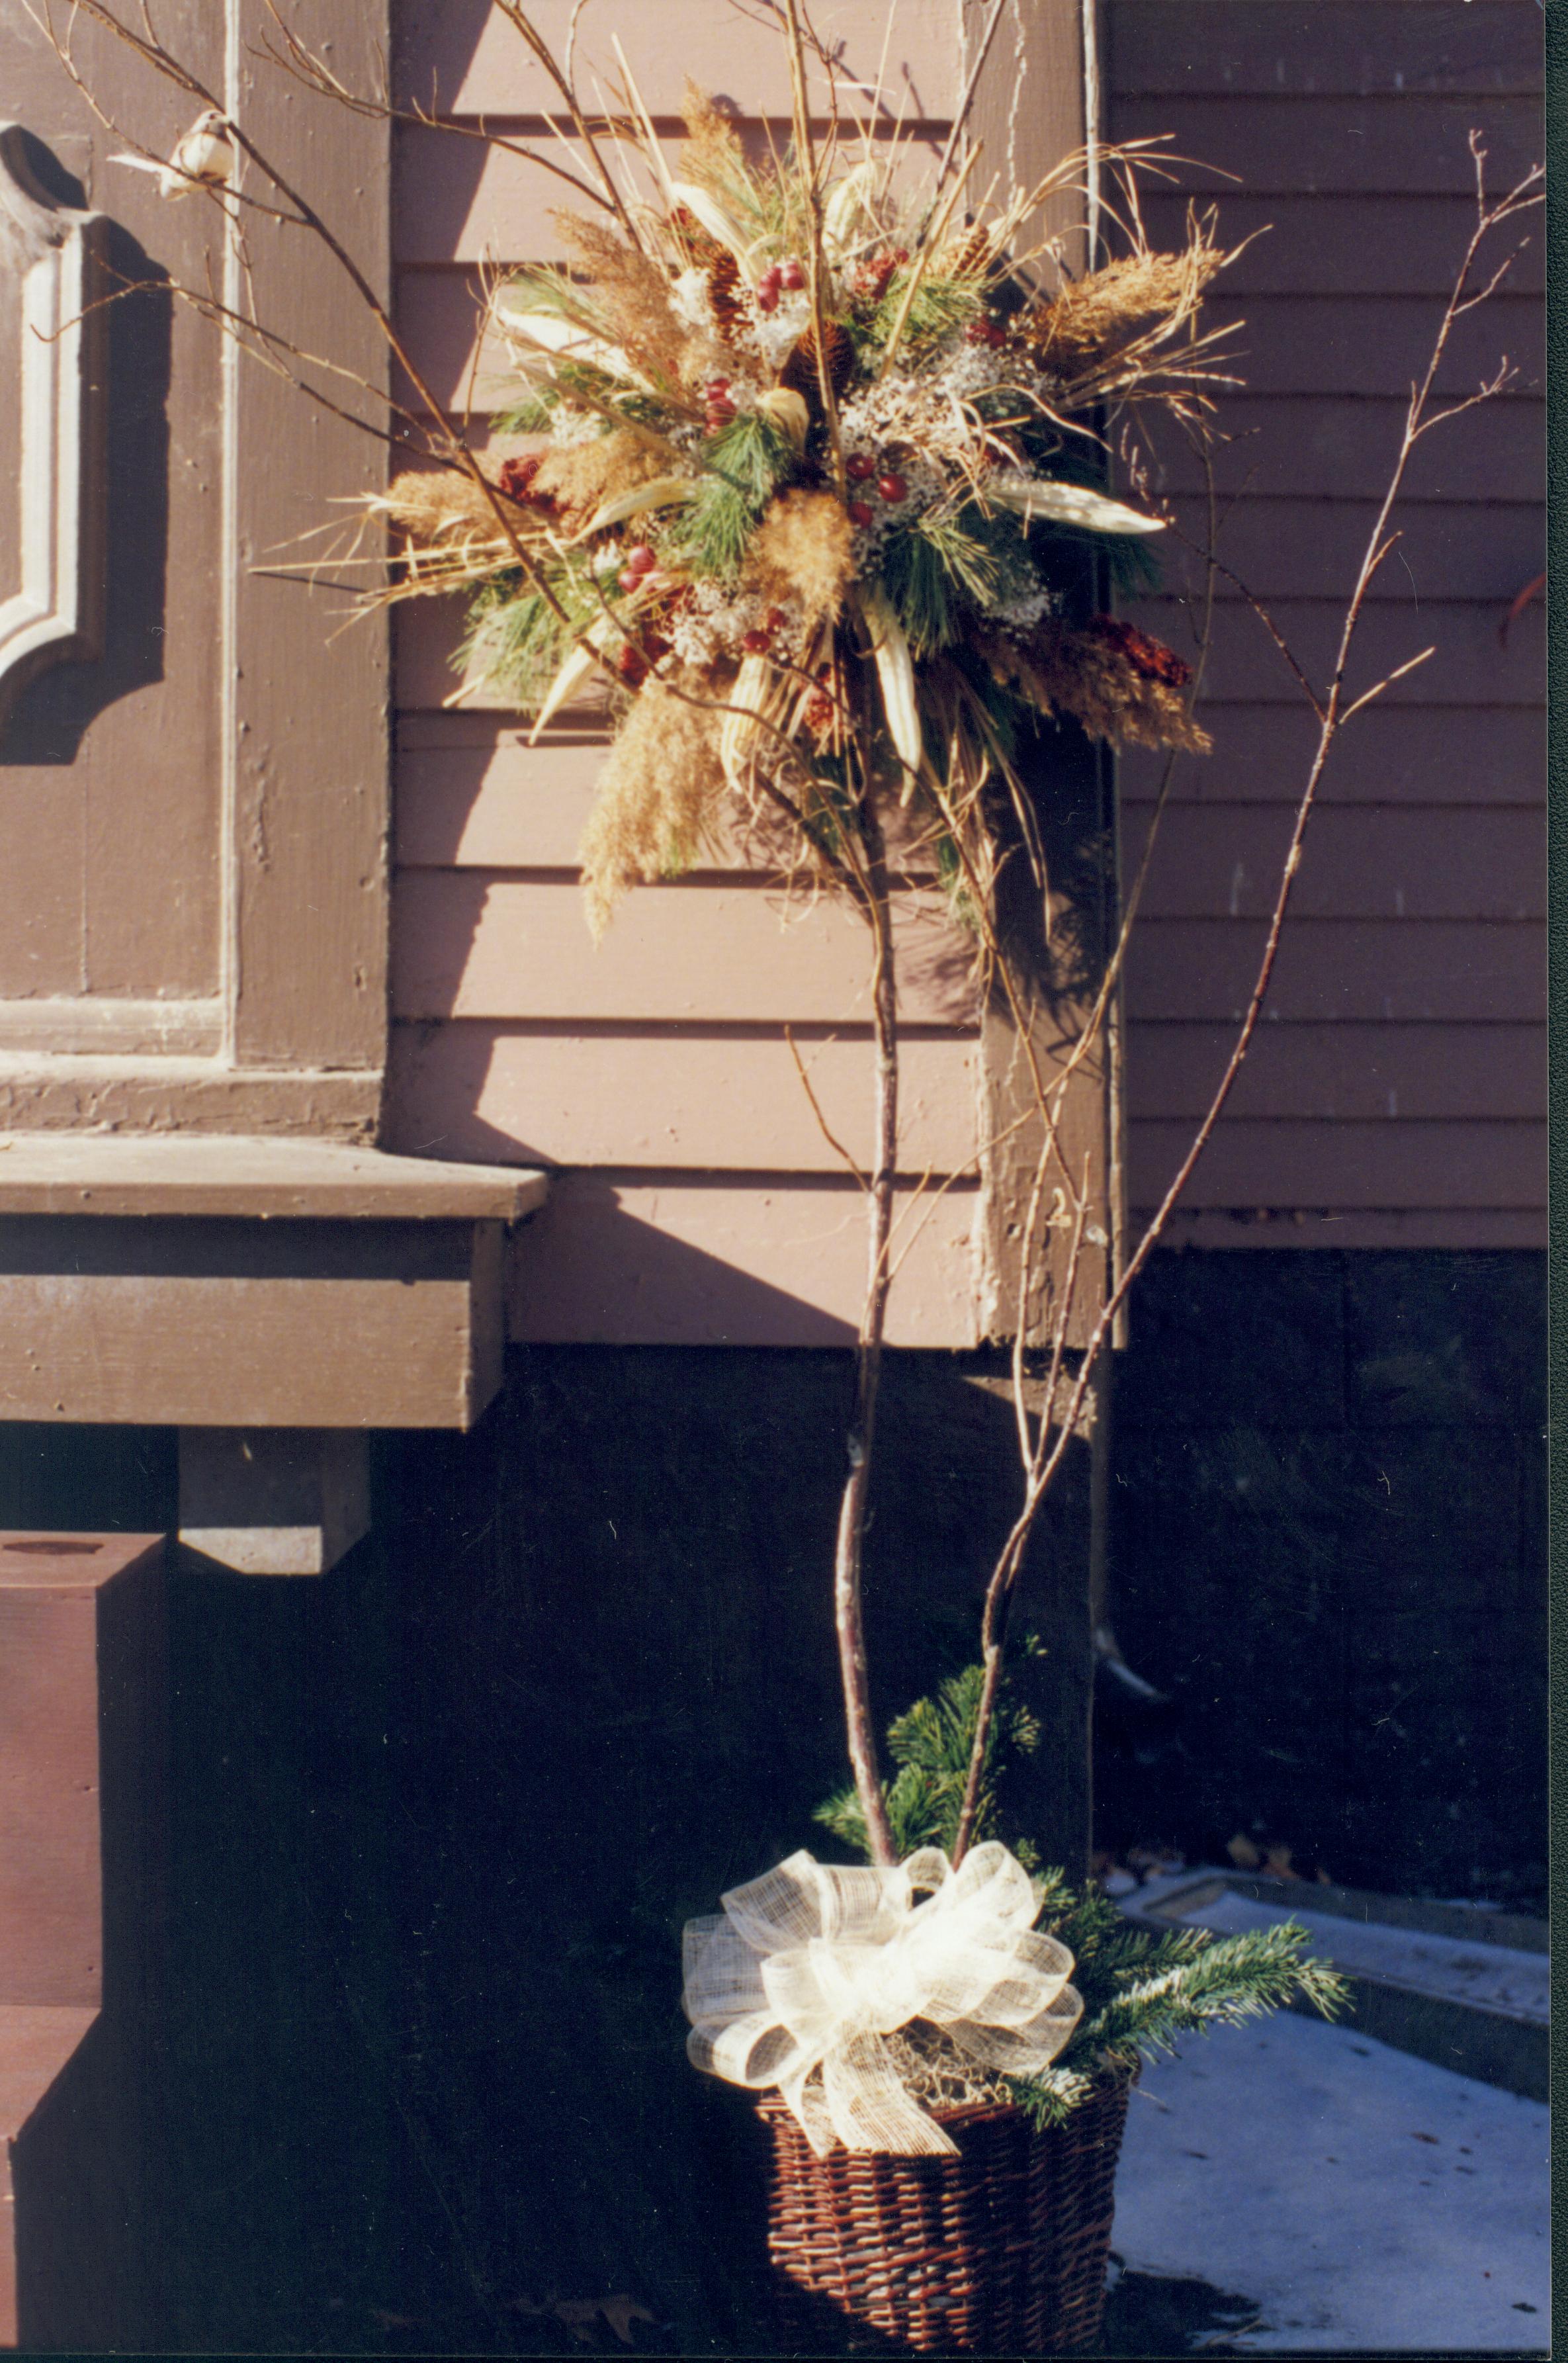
{"points": [[759, 639], [820, 708], [640, 562], [634, 660], [871, 276], [890, 487], [779, 279], [719, 408]]}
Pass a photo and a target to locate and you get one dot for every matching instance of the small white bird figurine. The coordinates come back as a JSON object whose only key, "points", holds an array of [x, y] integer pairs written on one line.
{"points": [[202, 157]]}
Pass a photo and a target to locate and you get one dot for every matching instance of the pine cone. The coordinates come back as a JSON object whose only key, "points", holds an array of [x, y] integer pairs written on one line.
{"points": [[976, 253], [725, 290], [800, 372]]}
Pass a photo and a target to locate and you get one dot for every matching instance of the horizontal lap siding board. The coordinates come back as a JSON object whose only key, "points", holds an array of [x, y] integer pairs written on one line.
{"points": [[1396, 1092], [699, 1197]]}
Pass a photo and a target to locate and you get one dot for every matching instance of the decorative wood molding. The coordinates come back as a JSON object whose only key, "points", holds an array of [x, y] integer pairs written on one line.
{"points": [[51, 263], [55, 1092], [87, 1025]]}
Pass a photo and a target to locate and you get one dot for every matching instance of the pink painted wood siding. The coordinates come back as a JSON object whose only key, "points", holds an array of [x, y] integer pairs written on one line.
{"points": [[699, 1199], [1396, 1095]]}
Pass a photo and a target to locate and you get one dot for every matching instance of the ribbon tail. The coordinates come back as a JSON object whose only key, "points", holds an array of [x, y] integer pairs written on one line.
{"points": [[802, 2096], [870, 2108]]}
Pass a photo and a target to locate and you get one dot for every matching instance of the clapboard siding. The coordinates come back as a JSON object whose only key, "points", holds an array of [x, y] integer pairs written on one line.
{"points": [[1396, 969], [1344, 147], [677, 1096], [1349, 1165], [1394, 1094], [1408, 754], [472, 944], [1469, 666], [1176, 49], [1317, 446], [1343, 1070], [461, 58], [629, 1259], [1448, 550], [699, 1197], [1326, 245], [1377, 861], [1361, 344]]}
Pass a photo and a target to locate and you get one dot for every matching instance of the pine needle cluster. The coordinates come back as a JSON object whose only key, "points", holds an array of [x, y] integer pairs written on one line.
{"points": [[1142, 1988]]}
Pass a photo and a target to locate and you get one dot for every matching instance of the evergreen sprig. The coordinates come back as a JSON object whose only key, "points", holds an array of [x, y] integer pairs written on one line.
{"points": [[1141, 1988], [930, 1744], [744, 465]]}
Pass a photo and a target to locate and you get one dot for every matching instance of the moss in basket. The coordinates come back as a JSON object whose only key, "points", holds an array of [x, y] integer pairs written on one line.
{"points": [[1141, 1990]]}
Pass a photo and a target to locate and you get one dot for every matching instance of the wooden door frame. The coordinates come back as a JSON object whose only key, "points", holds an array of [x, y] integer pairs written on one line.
{"points": [[295, 1041]]}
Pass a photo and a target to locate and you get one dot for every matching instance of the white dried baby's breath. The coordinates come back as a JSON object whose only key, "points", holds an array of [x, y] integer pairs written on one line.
{"points": [[570, 426]]}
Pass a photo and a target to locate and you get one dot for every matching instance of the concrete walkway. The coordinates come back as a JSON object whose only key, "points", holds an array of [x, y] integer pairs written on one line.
{"points": [[1362, 2200]]}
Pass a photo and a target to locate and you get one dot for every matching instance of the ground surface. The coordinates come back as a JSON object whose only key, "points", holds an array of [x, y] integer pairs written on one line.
{"points": [[1342, 2197]]}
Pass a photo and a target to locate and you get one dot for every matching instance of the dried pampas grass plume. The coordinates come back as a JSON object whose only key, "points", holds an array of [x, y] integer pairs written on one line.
{"points": [[630, 293], [712, 158], [578, 476], [440, 504], [1115, 683], [804, 549], [655, 807], [1141, 298]]}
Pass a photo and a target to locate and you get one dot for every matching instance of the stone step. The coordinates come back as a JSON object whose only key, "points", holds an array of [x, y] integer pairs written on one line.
{"points": [[1465, 1988]]}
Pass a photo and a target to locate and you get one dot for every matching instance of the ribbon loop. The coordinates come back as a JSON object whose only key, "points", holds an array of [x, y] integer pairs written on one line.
{"points": [[798, 1981]]}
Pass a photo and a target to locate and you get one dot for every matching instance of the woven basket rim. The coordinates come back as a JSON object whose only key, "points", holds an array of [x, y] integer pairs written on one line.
{"points": [[1104, 2081]]}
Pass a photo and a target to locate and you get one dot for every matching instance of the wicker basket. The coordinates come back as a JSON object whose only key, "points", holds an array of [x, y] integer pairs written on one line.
{"points": [[1000, 2250]]}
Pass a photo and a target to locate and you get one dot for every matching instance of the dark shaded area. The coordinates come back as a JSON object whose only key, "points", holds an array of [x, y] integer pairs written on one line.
{"points": [[1167, 2314], [437, 1818], [1328, 1547]]}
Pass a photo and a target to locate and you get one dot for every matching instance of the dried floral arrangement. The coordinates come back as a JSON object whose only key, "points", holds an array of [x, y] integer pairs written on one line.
{"points": [[811, 463]]}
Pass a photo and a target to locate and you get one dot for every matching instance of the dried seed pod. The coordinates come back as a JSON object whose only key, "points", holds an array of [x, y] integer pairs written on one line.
{"points": [[1148, 657]]}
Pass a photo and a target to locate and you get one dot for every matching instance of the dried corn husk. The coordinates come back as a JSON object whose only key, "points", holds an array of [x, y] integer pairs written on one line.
{"points": [[789, 413], [1069, 505], [845, 208], [712, 214], [764, 693], [581, 663], [661, 493], [895, 671]]}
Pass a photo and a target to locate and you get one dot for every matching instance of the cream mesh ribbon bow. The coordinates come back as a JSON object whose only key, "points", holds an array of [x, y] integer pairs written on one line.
{"points": [[798, 1979]]}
